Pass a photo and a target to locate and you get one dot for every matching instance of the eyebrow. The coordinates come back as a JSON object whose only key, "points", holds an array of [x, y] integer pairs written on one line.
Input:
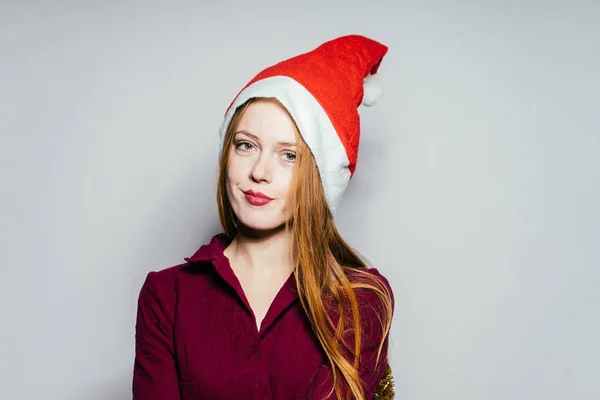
{"points": [[258, 139]]}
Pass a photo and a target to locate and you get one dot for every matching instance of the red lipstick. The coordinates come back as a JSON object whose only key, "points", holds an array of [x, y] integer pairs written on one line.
{"points": [[257, 198]]}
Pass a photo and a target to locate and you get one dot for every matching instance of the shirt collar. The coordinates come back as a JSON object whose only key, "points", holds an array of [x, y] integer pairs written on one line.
{"points": [[213, 253], [212, 250]]}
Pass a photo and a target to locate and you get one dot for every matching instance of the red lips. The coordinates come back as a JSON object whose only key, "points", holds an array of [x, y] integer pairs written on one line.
{"points": [[257, 198]]}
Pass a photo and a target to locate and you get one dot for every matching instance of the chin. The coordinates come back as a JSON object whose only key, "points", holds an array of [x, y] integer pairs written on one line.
{"points": [[261, 222]]}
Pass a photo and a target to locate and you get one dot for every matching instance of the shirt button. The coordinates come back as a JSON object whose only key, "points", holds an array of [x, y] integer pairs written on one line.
{"points": [[256, 353]]}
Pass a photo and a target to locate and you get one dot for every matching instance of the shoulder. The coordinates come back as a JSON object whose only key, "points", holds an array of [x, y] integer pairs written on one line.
{"points": [[376, 274], [370, 285], [167, 282], [375, 301], [166, 276], [160, 286], [374, 296], [165, 291], [164, 283]]}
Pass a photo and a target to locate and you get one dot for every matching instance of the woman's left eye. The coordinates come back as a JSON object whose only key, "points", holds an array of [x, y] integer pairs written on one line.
{"points": [[290, 156]]}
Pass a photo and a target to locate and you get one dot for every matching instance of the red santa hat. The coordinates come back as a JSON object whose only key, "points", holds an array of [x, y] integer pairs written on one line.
{"points": [[322, 90]]}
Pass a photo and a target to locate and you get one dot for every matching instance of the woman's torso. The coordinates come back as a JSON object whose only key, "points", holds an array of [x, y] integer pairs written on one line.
{"points": [[220, 352]]}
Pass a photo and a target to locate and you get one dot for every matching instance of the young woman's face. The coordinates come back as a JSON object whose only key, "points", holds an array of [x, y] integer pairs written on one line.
{"points": [[261, 162]]}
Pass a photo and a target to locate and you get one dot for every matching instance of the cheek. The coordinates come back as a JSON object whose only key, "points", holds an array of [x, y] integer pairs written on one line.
{"points": [[286, 183], [234, 170], [230, 177], [231, 180]]}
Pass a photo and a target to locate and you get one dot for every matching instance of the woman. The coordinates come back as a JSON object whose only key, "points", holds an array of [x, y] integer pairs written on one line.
{"points": [[278, 306]]}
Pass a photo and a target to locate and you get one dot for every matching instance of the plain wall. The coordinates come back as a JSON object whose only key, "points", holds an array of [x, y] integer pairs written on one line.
{"points": [[477, 189]]}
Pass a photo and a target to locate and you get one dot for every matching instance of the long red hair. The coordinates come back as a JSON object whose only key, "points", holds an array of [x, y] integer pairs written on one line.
{"points": [[323, 263]]}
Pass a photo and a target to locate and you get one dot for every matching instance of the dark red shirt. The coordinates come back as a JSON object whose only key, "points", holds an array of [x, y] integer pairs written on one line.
{"points": [[196, 338]]}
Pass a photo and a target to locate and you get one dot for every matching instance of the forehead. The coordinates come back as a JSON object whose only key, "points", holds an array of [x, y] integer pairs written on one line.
{"points": [[268, 120]]}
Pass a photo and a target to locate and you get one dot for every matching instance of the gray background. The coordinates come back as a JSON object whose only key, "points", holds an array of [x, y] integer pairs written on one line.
{"points": [[477, 189]]}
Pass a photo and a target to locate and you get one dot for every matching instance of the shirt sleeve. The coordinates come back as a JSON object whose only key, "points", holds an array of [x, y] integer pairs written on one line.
{"points": [[155, 371], [370, 371]]}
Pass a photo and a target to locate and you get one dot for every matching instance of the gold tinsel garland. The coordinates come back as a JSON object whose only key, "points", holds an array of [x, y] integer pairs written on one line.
{"points": [[385, 390]]}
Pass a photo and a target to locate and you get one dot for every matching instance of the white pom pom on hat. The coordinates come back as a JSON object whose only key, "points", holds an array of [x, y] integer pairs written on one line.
{"points": [[372, 90], [322, 90]]}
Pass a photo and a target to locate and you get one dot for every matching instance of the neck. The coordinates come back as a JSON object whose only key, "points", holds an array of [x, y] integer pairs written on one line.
{"points": [[261, 252]]}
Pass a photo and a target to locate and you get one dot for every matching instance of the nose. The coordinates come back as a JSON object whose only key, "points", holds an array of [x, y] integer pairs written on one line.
{"points": [[262, 169]]}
